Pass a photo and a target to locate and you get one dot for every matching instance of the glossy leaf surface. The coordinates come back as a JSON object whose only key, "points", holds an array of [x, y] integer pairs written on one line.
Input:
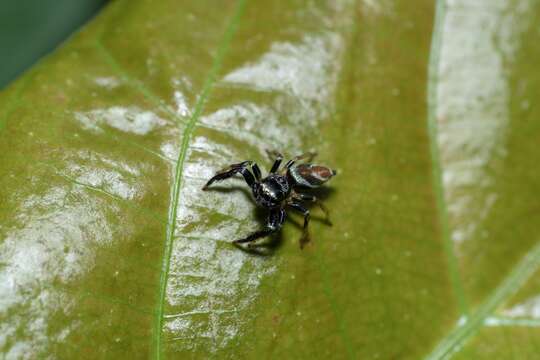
{"points": [[109, 248]]}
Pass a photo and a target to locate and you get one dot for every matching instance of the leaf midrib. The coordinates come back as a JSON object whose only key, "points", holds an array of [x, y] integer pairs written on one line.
{"points": [[179, 163], [177, 182]]}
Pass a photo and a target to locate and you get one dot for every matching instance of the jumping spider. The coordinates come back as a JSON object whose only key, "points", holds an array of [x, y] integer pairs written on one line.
{"points": [[280, 189]]}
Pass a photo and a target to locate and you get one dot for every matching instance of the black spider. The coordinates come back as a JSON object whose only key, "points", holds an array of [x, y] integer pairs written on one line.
{"points": [[279, 189]]}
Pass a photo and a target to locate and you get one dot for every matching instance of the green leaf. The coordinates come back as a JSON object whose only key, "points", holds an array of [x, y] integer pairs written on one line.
{"points": [[109, 248]]}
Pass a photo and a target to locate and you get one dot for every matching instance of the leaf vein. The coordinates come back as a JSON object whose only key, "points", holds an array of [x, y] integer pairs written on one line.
{"points": [[108, 194], [437, 171], [516, 278], [136, 83], [499, 321]]}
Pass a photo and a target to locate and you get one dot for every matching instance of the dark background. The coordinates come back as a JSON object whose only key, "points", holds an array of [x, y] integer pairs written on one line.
{"points": [[29, 29]]}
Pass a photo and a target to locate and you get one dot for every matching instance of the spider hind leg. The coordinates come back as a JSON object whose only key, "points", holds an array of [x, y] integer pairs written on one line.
{"points": [[305, 233], [316, 201]]}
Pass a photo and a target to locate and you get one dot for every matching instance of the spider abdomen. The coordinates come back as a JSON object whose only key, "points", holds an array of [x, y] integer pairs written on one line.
{"points": [[310, 175]]}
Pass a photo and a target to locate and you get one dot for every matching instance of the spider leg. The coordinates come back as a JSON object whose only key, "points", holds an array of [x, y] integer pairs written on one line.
{"points": [[256, 235], [277, 162], [275, 220], [241, 168], [256, 171], [305, 235], [309, 156], [316, 201]]}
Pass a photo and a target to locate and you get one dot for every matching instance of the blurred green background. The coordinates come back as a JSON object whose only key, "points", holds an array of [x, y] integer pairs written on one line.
{"points": [[29, 29]]}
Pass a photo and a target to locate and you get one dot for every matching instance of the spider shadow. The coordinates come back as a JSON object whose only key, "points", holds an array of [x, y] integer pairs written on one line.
{"points": [[322, 193], [266, 246], [269, 245], [263, 247], [232, 189]]}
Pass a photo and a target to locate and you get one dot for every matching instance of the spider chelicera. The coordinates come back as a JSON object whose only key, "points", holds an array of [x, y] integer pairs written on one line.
{"points": [[280, 189]]}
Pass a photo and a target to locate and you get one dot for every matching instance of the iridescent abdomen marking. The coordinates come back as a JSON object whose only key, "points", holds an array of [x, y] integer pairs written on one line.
{"points": [[310, 175]]}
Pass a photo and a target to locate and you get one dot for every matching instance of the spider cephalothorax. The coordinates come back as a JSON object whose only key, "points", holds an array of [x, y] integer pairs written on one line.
{"points": [[280, 189]]}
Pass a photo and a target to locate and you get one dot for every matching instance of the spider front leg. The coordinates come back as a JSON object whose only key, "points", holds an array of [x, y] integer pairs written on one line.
{"points": [[309, 156], [316, 201], [272, 154], [230, 171], [305, 235], [256, 171], [276, 218]]}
